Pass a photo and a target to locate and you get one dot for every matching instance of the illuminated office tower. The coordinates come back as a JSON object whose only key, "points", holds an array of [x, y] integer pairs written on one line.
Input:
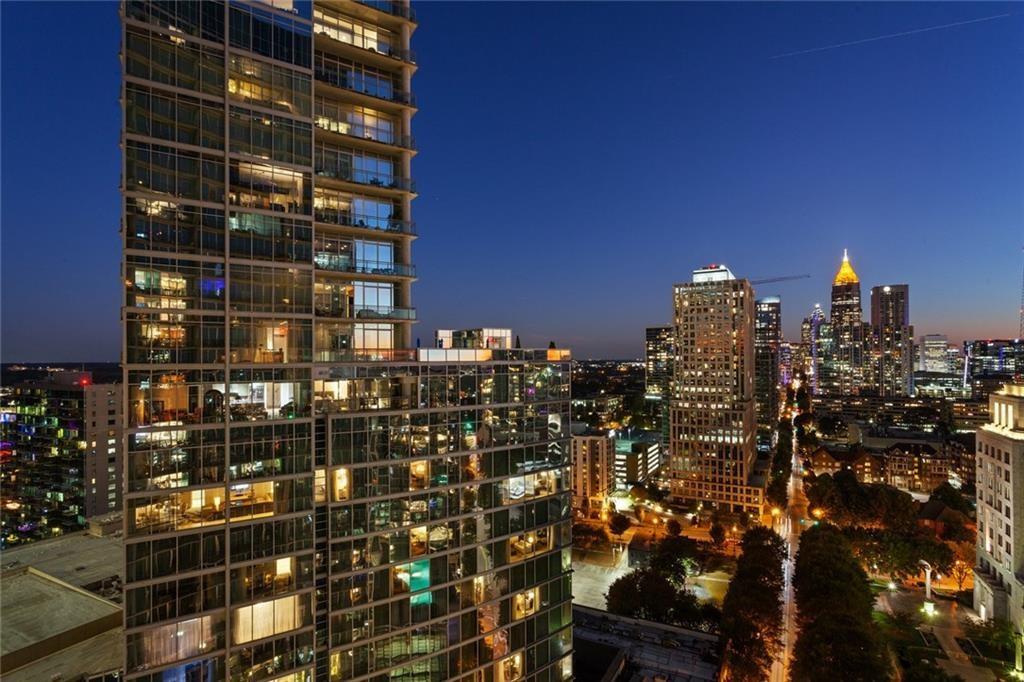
{"points": [[844, 373], [934, 353], [892, 340], [307, 497], [767, 338], [658, 355], [713, 424], [812, 337]]}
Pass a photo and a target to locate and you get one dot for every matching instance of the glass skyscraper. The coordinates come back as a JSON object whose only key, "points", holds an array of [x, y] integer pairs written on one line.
{"points": [[306, 496]]}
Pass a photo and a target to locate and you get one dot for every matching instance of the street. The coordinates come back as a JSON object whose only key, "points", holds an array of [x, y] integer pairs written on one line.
{"points": [[789, 525]]}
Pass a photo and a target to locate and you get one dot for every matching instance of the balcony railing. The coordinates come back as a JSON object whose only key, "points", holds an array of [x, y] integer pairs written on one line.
{"points": [[399, 9], [366, 312], [343, 81], [336, 217], [362, 43], [366, 178], [364, 132], [325, 260]]}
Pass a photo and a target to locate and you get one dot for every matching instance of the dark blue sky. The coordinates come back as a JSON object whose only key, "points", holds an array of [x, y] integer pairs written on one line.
{"points": [[577, 159]]}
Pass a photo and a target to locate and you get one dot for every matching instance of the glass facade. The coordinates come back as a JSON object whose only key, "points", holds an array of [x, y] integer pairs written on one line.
{"points": [[306, 496]]}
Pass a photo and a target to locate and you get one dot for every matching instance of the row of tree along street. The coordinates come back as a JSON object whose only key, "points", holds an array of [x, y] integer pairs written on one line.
{"points": [[752, 620]]}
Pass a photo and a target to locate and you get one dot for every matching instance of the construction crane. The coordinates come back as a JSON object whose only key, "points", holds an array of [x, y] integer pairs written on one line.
{"points": [[769, 280], [1020, 332]]}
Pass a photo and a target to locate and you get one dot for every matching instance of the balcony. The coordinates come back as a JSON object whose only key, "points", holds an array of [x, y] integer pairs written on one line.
{"points": [[345, 81], [364, 132], [337, 217], [398, 9], [365, 178], [366, 312], [361, 42], [333, 262]]}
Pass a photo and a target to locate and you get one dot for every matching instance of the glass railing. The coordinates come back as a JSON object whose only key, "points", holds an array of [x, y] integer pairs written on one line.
{"points": [[365, 178], [364, 132], [336, 217], [345, 81], [365, 43], [399, 9], [366, 312], [326, 260]]}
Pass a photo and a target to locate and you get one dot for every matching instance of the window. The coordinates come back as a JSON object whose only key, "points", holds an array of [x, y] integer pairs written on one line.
{"points": [[269, 618]]}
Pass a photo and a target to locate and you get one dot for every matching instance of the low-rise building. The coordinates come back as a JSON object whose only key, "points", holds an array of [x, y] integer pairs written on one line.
{"points": [[637, 457]]}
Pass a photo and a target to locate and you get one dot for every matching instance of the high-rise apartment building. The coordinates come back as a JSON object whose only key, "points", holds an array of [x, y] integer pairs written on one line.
{"points": [[845, 362], [659, 351], [1000, 484], [593, 471], [767, 338], [892, 339], [713, 423], [60, 455], [308, 497]]}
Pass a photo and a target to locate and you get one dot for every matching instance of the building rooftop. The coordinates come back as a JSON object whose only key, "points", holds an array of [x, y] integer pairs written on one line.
{"points": [[654, 650], [26, 639], [79, 559]]}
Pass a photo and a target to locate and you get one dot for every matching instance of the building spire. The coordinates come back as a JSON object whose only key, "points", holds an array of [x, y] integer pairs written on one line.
{"points": [[846, 274]]}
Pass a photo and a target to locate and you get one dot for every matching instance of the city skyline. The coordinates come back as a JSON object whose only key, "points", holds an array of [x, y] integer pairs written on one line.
{"points": [[874, 133]]}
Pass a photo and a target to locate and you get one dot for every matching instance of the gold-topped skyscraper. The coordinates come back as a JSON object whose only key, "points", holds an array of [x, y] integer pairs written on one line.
{"points": [[844, 371]]}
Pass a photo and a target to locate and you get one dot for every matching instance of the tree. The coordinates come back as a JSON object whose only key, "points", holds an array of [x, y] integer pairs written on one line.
{"points": [[645, 593], [835, 607], [803, 399], [717, 534], [961, 570], [673, 528], [676, 557], [752, 611], [619, 524], [778, 491], [952, 498], [924, 671], [642, 593]]}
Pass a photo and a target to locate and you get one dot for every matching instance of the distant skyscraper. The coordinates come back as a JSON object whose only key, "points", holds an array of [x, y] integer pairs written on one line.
{"points": [[811, 337], [990, 363], [659, 351], [846, 358], [933, 353], [713, 424], [892, 340], [767, 337], [1000, 482]]}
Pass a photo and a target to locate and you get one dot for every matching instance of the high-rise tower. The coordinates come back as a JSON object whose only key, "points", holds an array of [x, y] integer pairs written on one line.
{"points": [[892, 340], [659, 352], [307, 496], [846, 358], [713, 424], [767, 337]]}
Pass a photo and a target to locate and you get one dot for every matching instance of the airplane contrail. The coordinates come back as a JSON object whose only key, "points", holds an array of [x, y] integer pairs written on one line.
{"points": [[890, 35]]}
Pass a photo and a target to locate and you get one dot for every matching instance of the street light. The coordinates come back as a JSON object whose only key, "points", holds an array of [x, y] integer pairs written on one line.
{"points": [[929, 605]]}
